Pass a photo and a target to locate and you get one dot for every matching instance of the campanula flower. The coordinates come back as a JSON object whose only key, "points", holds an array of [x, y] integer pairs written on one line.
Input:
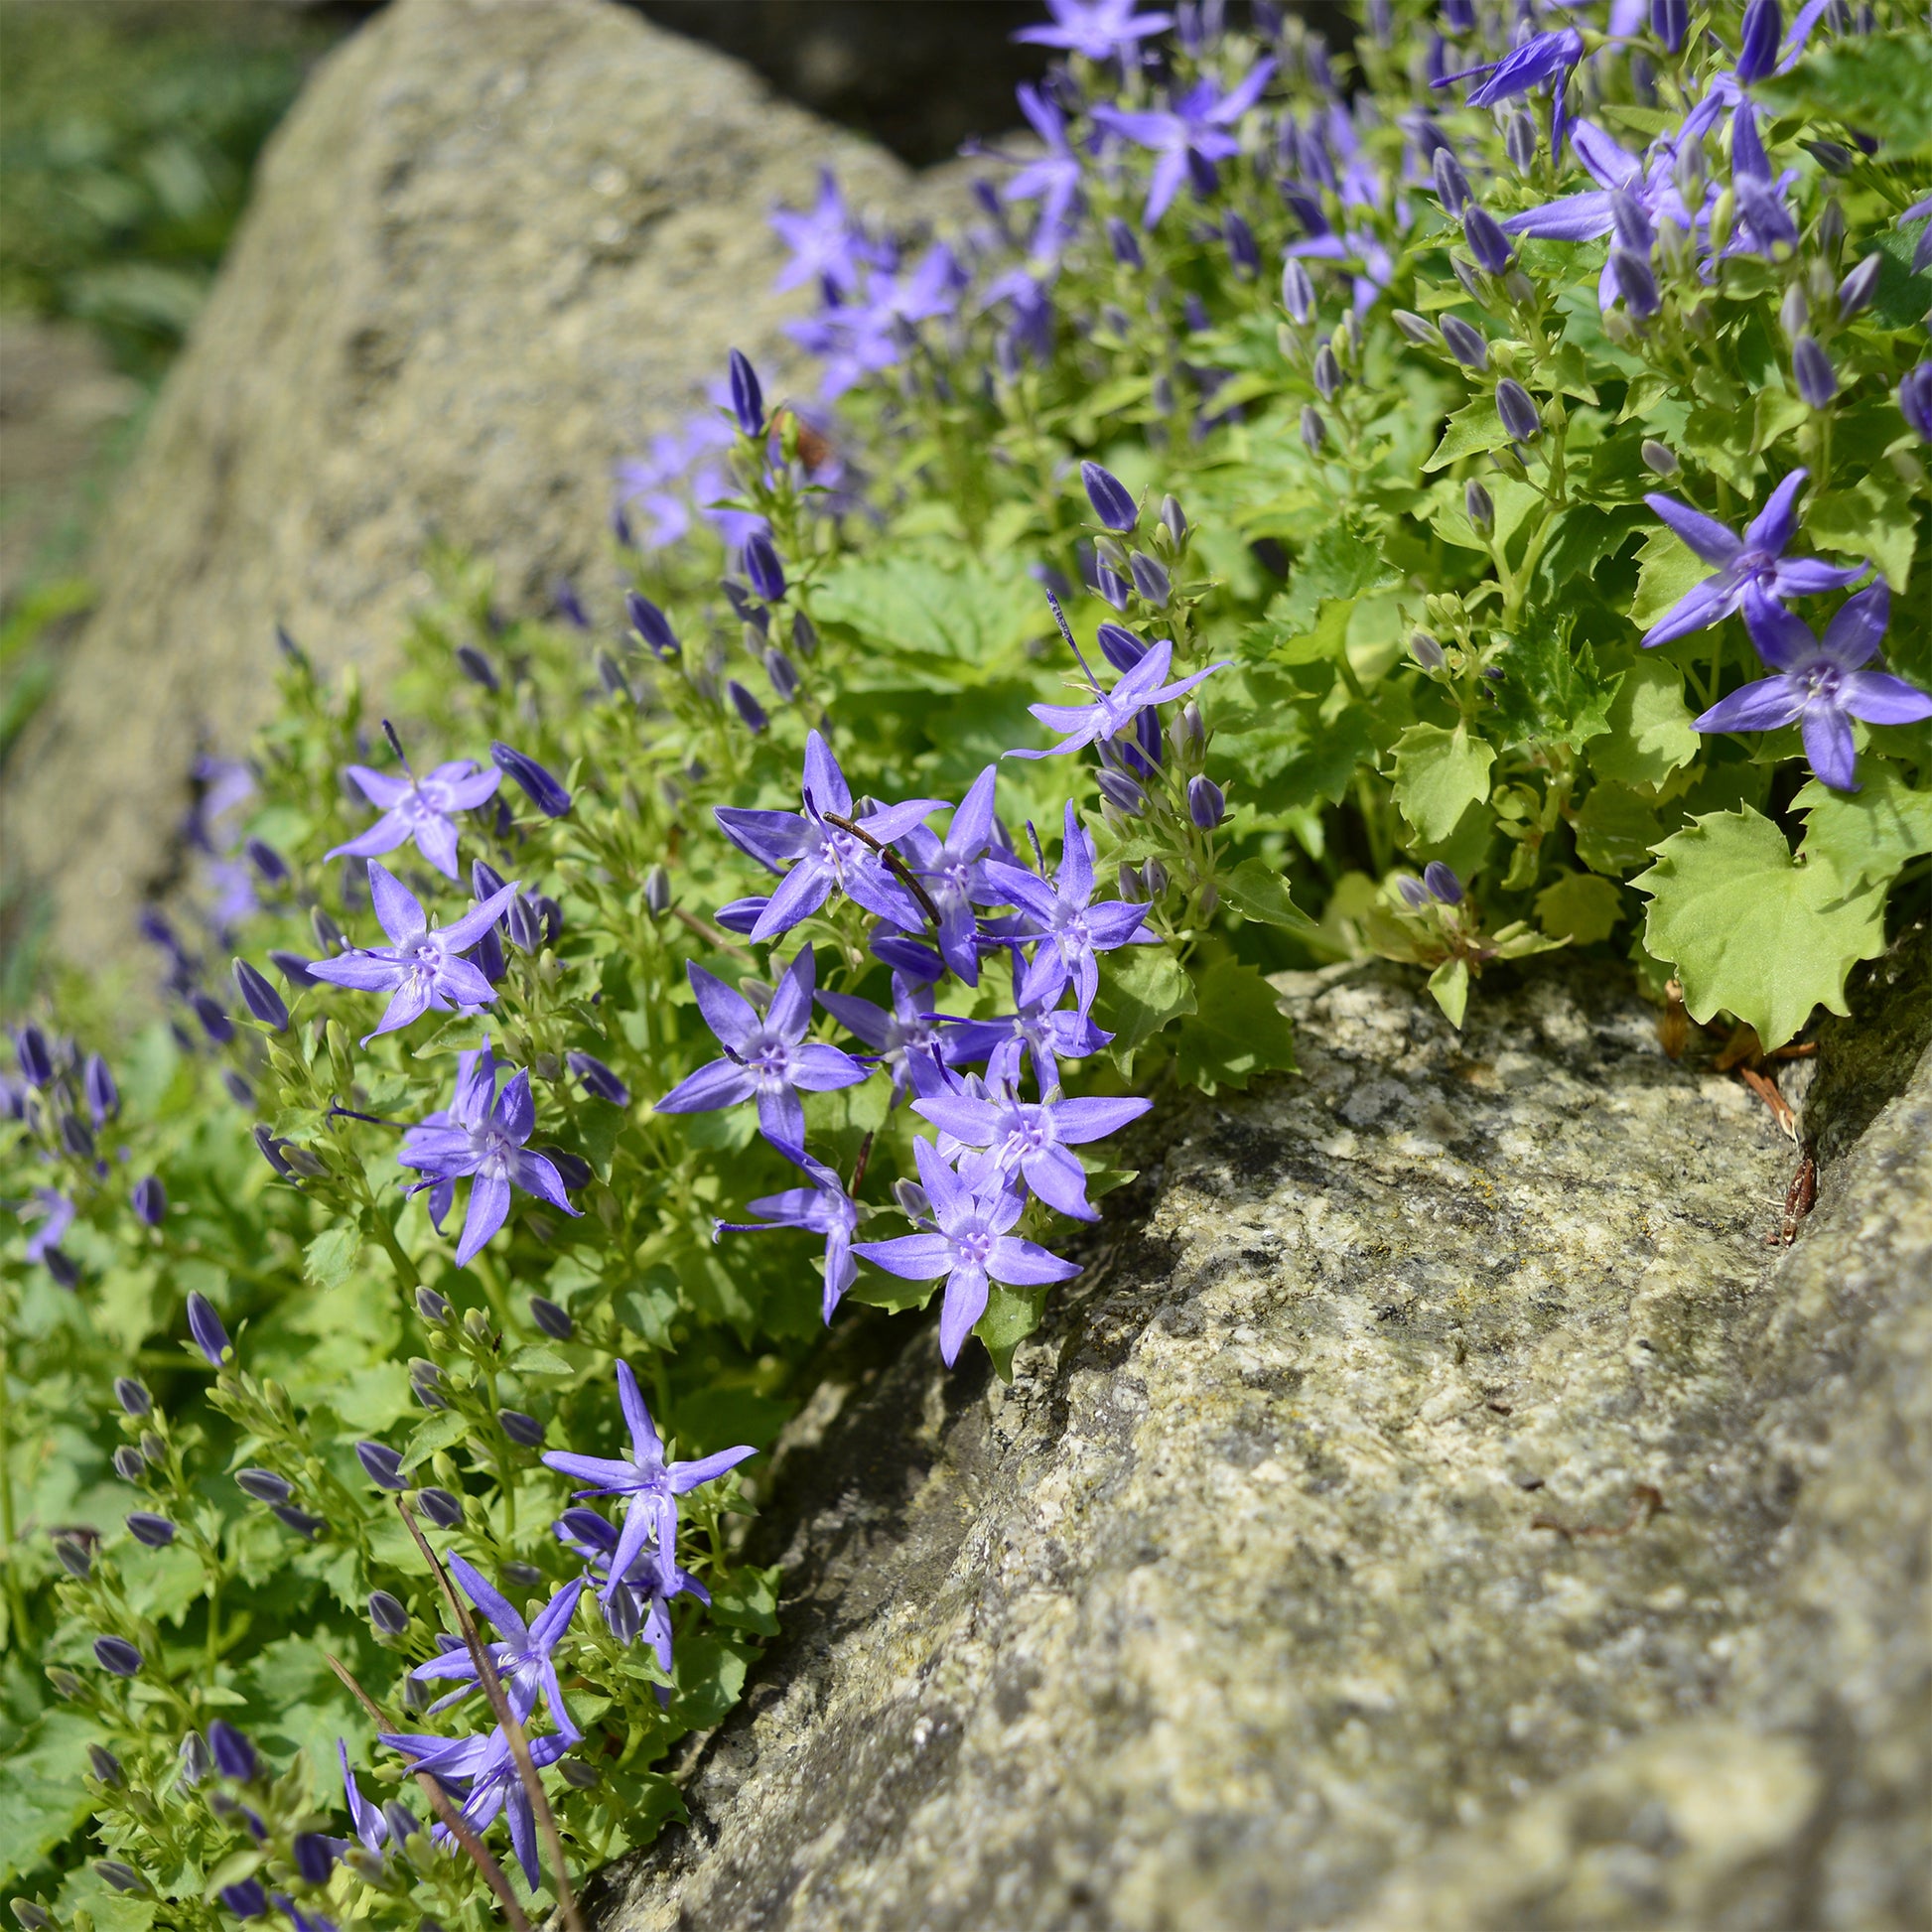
{"points": [[481, 1135], [537, 785], [823, 1208], [420, 810], [55, 1217], [1044, 1037], [653, 1484], [748, 397], [206, 1327], [1541, 58], [523, 1659], [954, 872], [1113, 713], [906, 1040], [827, 249], [766, 1057], [421, 967], [483, 1772], [97, 1087], [968, 1244], [1030, 1138], [641, 1604], [1098, 29], [1820, 683], [1051, 178], [1757, 558], [1188, 136]]}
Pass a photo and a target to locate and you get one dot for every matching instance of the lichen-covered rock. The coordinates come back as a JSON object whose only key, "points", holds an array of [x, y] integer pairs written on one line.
{"points": [[1438, 1505], [494, 248]]}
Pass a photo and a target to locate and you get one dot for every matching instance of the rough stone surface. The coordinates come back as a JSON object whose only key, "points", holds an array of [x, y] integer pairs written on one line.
{"points": [[1436, 1508], [495, 245]]}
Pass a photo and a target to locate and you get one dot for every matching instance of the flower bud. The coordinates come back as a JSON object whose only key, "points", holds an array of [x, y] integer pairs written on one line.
{"points": [[476, 666], [206, 1327], [234, 1757], [1297, 291], [523, 924], [329, 935], [432, 1308], [1244, 253], [382, 1465], [747, 398], [1426, 651], [1451, 184], [1315, 432], [552, 1319], [1487, 241], [1174, 519], [118, 1656], [1206, 804], [260, 998], [135, 1401], [98, 1083], [1467, 345], [129, 1464], [1327, 373], [1519, 142], [215, 1021], [1189, 733], [1441, 882], [439, 1506], [764, 567], [524, 1431], [1670, 21], [1516, 411], [264, 1486], [387, 1614], [542, 790], [246, 1899], [120, 1875], [1130, 881], [315, 1857], [1794, 311], [1419, 330], [1112, 504], [1657, 459], [1149, 579], [157, 1532], [1757, 47], [1111, 586], [1636, 283], [1154, 880], [1121, 792], [75, 1553], [1915, 401], [653, 625], [747, 707], [76, 1137], [912, 1200], [1812, 369], [1855, 293], [1124, 242]]}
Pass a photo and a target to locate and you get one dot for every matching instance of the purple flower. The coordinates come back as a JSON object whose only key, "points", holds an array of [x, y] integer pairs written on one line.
{"points": [[1915, 399], [1031, 1138], [1069, 928], [523, 1659], [483, 1772], [906, 1040], [419, 810], [968, 1244], [1765, 224], [206, 1327], [1548, 56], [1189, 136], [1757, 46], [56, 1217], [542, 790], [1112, 503], [823, 1208], [1046, 1038], [117, 1655], [1051, 178], [598, 1079], [953, 873], [641, 1604], [1441, 884], [104, 1097], [653, 1484], [1516, 410], [828, 857], [766, 1057], [365, 1819], [747, 398], [825, 246], [421, 968], [1757, 558], [234, 1757], [482, 1134], [36, 1062], [1098, 29], [858, 338], [1112, 713], [1820, 682]]}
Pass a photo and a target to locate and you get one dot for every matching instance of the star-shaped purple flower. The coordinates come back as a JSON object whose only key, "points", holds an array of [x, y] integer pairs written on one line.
{"points": [[1051, 178], [1189, 136], [1046, 1038], [1821, 683], [420, 810], [1757, 558], [1031, 1137], [1068, 926], [481, 1134], [653, 1484], [522, 1659], [767, 1057], [483, 1772], [1112, 713], [904, 1038], [1547, 57], [951, 871], [1099, 29], [827, 858], [968, 1244], [823, 1208], [422, 965], [642, 1603], [826, 247]]}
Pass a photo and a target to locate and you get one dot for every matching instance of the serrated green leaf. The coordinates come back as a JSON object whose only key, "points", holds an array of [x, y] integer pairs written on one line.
{"points": [[1868, 834], [539, 1358], [746, 1600], [1237, 1029], [329, 1259], [1474, 428], [1579, 908], [1342, 562], [959, 609], [1011, 1314], [443, 1430], [1142, 990], [1872, 516], [1752, 929], [709, 1671], [1438, 775], [1615, 828], [1258, 892], [1667, 568], [1871, 83], [43, 1796], [1553, 691], [1650, 733]]}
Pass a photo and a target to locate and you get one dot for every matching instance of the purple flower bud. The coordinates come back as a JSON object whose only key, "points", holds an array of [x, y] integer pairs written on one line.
{"points": [[552, 1319], [129, 1464], [119, 1875], [260, 998], [246, 1900], [653, 625], [1119, 647], [1243, 252], [76, 1137], [195, 1764], [206, 1327], [1149, 579], [1315, 432], [1659, 460], [439, 1506], [29, 1916], [146, 1527], [1441, 882], [1635, 283], [1189, 733], [747, 399], [117, 1655], [1465, 343], [1328, 379], [1915, 401], [62, 1265], [542, 790], [782, 673], [1479, 507], [912, 1200], [521, 917], [1757, 46], [1122, 240], [1451, 184], [314, 1858], [524, 1431], [1487, 242], [621, 527], [298, 1520], [400, 1820], [98, 1083], [329, 935], [568, 604], [1298, 290], [105, 1766], [387, 1614], [1812, 367], [657, 892], [746, 706], [1206, 804], [214, 1022], [264, 1486], [1519, 142], [150, 1204], [1516, 410], [1121, 792], [1414, 895], [381, 1464], [1855, 293], [1670, 21], [267, 862], [764, 567], [274, 1152], [1420, 330], [1108, 495], [1174, 519], [36, 1062], [597, 1079], [135, 1401], [1111, 585], [426, 1379], [741, 915], [476, 666], [75, 1555]]}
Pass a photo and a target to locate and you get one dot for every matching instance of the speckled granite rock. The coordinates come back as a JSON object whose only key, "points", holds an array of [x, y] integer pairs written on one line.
{"points": [[494, 248], [1436, 1506]]}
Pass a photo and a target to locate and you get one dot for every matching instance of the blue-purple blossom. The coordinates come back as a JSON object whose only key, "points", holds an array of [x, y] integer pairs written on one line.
{"points": [[483, 1772], [856, 337], [1820, 683], [206, 1327], [766, 1057], [1051, 178], [824, 1208], [640, 1602], [826, 247], [97, 1087], [952, 872], [420, 810], [421, 968], [1915, 399], [907, 1040], [1045, 1036], [481, 1135], [597, 1079], [1029, 1138], [523, 1659], [764, 567], [55, 1217], [653, 1484], [1112, 713], [1101, 30], [1189, 136], [537, 785], [747, 398], [1757, 558], [117, 1655], [1811, 369], [1112, 501], [1547, 58], [968, 1244]]}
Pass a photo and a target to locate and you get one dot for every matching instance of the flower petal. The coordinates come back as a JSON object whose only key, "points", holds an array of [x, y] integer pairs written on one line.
{"points": [[1025, 1263], [1773, 527], [723, 1083], [1703, 534], [489, 1206], [965, 1303], [1762, 707], [1881, 699], [1830, 746], [1852, 637]]}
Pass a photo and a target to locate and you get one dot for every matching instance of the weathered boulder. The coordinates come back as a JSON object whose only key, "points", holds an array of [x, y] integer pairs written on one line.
{"points": [[1440, 1504], [495, 245]]}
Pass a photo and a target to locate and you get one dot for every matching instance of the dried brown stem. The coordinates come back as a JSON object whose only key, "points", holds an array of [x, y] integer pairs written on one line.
{"points": [[905, 872]]}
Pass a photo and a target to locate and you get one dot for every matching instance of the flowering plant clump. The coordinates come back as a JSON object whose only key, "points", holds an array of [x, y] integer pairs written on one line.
{"points": [[1450, 500]]}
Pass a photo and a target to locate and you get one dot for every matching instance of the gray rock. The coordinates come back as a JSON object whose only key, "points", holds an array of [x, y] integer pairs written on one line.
{"points": [[1440, 1504], [492, 249]]}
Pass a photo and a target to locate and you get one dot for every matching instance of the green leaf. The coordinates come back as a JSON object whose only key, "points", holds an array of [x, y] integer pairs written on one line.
{"points": [[1438, 775], [1341, 563], [708, 1671], [1474, 427], [1869, 834], [539, 1358], [962, 611], [748, 1599], [1258, 892], [1325, 638], [1142, 990], [1650, 732], [1011, 1314], [1616, 829], [1874, 83], [1580, 908], [1237, 1029], [1667, 568], [329, 1259], [442, 1430], [1872, 517], [1450, 984], [1552, 690], [1752, 929], [43, 1798]]}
